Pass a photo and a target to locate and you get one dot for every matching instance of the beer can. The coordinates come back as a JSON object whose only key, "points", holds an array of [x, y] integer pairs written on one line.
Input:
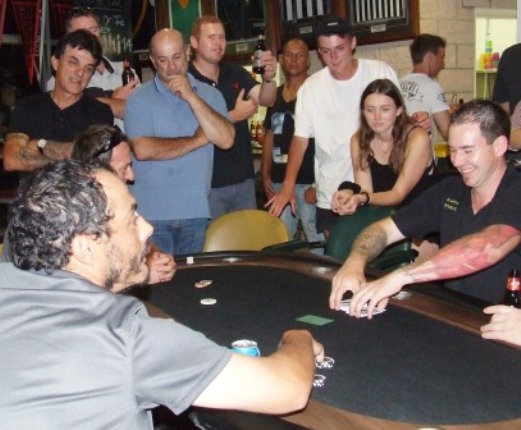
{"points": [[246, 347]]}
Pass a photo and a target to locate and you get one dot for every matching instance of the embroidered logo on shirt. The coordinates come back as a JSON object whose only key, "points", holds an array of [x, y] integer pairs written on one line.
{"points": [[451, 204]]}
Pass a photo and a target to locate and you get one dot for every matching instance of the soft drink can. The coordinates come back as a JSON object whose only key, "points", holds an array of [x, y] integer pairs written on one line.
{"points": [[246, 347]]}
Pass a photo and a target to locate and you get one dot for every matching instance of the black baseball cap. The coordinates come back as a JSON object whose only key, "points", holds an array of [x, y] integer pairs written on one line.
{"points": [[333, 25]]}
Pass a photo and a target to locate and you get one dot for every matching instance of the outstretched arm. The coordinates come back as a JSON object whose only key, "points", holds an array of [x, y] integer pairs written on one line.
{"points": [[279, 201], [462, 257], [290, 369]]}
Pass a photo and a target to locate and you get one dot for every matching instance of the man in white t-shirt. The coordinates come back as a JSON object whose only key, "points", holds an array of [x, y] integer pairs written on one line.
{"points": [[420, 90], [328, 109]]}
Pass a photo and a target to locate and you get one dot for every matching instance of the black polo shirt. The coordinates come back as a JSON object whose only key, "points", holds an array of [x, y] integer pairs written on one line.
{"points": [[234, 165], [447, 208]]}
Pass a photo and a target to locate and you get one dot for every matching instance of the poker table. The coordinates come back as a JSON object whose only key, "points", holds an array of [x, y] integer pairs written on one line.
{"points": [[421, 363]]}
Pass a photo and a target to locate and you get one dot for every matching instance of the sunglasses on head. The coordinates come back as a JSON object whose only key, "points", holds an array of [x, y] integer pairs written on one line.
{"points": [[115, 139]]}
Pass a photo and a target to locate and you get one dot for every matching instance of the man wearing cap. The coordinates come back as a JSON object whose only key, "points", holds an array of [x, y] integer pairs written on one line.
{"points": [[328, 109]]}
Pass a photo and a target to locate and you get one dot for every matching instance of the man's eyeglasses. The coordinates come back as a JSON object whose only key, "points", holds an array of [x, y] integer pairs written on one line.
{"points": [[117, 137]]}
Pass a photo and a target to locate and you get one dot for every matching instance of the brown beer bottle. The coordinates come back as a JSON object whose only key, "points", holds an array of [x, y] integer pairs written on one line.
{"points": [[127, 74], [258, 68], [512, 295]]}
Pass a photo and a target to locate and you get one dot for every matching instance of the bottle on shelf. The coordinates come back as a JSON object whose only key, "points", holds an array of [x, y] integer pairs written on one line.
{"points": [[512, 295], [253, 130], [127, 74], [258, 67], [259, 132]]}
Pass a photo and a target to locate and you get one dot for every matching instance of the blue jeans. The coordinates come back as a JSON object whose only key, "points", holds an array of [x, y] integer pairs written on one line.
{"points": [[232, 198], [180, 236], [305, 212]]}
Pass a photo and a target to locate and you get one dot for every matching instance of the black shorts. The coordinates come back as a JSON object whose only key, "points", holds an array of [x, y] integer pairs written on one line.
{"points": [[325, 219]]}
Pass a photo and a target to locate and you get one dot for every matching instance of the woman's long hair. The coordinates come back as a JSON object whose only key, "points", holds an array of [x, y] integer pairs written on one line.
{"points": [[398, 134]]}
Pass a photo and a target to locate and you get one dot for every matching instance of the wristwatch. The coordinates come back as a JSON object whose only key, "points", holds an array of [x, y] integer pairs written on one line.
{"points": [[41, 144]]}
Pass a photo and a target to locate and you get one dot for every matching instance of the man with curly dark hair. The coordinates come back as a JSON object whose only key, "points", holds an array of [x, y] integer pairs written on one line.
{"points": [[76, 355]]}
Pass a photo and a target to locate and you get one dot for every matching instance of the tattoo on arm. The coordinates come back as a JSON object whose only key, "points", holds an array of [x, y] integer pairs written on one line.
{"points": [[370, 243], [468, 255]]}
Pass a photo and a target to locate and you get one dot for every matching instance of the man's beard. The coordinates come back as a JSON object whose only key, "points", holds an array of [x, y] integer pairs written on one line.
{"points": [[126, 273]]}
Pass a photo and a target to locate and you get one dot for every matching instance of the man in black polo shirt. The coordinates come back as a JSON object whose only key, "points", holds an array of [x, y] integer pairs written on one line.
{"points": [[233, 186], [43, 126], [476, 214]]}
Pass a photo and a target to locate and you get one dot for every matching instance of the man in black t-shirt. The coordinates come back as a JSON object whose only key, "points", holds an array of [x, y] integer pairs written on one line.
{"points": [[43, 126], [279, 125], [476, 215]]}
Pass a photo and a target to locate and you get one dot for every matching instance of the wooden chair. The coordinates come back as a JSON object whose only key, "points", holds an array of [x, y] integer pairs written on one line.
{"points": [[245, 230]]}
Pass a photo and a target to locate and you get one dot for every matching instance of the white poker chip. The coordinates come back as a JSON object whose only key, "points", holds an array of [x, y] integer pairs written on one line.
{"points": [[203, 283], [208, 301]]}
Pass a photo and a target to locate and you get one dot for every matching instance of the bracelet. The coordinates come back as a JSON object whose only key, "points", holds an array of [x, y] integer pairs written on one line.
{"points": [[269, 81], [368, 198], [348, 185]]}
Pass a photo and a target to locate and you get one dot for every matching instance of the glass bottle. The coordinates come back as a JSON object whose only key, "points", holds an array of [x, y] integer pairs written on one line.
{"points": [[512, 295], [258, 67], [127, 74]]}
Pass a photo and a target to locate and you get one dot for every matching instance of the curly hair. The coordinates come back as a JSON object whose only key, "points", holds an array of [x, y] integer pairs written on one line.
{"points": [[399, 131], [492, 119], [52, 206], [81, 39]]}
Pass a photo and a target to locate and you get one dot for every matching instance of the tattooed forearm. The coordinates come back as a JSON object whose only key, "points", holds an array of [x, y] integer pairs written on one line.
{"points": [[370, 243], [467, 255], [58, 150], [32, 157]]}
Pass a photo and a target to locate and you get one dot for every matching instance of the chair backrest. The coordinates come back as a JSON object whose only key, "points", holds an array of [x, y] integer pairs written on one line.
{"points": [[245, 230], [346, 228]]}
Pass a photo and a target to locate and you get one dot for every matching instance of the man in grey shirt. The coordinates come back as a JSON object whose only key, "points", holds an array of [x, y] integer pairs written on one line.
{"points": [[76, 355]]}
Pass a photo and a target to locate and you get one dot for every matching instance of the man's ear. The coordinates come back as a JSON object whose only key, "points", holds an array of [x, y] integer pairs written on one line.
{"points": [[54, 63], [82, 249], [500, 145]]}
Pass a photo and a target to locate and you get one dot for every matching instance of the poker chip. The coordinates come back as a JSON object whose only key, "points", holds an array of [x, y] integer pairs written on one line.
{"points": [[327, 363], [208, 301], [319, 381], [203, 283]]}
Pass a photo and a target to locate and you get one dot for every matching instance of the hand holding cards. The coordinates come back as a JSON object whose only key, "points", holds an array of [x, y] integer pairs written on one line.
{"points": [[346, 307]]}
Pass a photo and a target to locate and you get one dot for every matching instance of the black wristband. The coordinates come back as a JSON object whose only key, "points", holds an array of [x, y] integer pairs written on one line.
{"points": [[367, 196], [348, 185]]}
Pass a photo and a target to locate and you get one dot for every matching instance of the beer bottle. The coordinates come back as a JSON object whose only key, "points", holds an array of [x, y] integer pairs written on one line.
{"points": [[512, 295], [127, 74], [258, 68]]}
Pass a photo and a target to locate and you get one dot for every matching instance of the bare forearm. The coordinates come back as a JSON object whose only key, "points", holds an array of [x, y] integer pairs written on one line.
{"points": [[117, 106], [21, 154], [369, 244], [218, 129], [267, 93], [295, 156], [295, 359], [147, 148], [467, 255]]}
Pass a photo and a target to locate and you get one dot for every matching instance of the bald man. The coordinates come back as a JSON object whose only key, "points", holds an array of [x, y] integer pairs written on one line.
{"points": [[174, 122]]}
